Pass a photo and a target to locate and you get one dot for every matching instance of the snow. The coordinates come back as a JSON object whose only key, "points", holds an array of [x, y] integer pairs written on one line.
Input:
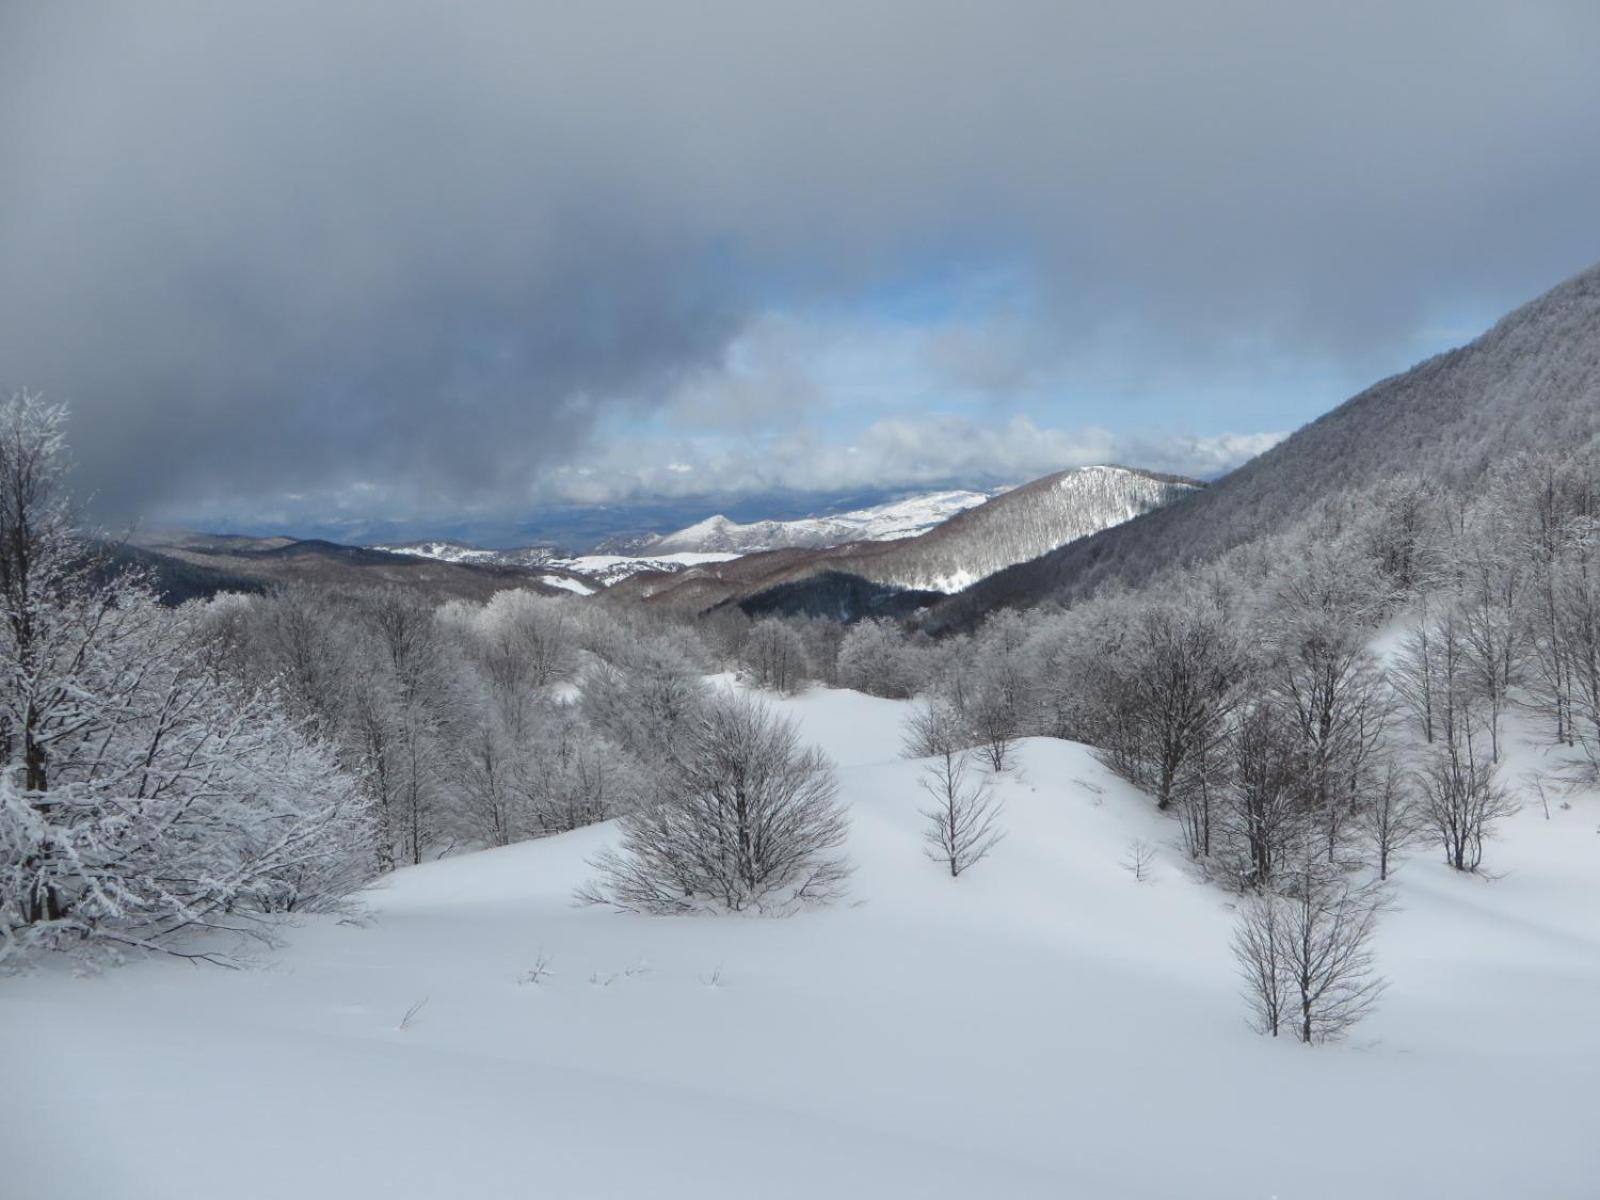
{"points": [[1043, 1026], [458, 552], [907, 517], [569, 584], [607, 569], [602, 569]]}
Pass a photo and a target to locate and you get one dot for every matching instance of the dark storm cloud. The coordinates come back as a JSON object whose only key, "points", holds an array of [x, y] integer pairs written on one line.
{"points": [[302, 247]]}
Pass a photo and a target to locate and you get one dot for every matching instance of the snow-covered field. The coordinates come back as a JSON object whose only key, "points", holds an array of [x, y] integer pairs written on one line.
{"points": [[1044, 1026], [602, 569]]}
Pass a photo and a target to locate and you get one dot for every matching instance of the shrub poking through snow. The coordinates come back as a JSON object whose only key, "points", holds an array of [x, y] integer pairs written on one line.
{"points": [[743, 817]]}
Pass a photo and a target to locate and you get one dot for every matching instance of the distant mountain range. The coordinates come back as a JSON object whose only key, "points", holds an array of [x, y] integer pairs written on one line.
{"points": [[183, 566], [897, 575], [716, 539], [911, 548]]}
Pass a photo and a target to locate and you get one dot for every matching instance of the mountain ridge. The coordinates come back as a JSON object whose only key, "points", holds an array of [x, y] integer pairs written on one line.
{"points": [[1531, 380]]}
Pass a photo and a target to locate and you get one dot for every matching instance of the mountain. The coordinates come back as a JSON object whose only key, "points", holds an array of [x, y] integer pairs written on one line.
{"points": [[893, 578], [1529, 383], [1023, 524], [184, 566], [903, 518]]}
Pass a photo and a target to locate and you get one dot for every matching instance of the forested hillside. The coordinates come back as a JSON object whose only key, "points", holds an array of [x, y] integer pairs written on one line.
{"points": [[1531, 383], [897, 577]]}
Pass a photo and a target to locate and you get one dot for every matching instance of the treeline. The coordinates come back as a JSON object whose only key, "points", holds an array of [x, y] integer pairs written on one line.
{"points": [[470, 725]]}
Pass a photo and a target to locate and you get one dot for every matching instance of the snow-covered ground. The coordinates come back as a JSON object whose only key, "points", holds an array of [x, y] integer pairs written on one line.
{"points": [[602, 569], [569, 584], [609, 568], [1044, 1026]]}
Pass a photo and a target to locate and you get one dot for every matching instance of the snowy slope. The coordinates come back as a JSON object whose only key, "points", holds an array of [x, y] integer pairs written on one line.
{"points": [[606, 569], [599, 570], [1025, 523], [1043, 1027], [458, 552], [882, 522]]}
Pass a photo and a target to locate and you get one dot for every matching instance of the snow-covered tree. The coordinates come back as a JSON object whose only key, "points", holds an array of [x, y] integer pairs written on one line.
{"points": [[877, 658], [774, 656], [743, 817], [144, 796]]}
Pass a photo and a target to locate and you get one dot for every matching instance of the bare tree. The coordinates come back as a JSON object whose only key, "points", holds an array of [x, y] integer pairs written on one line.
{"points": [[744, 817], [1262, 807], [1305, 954], [1462, 802], [1140, 860], [993, 714], [932, 728], [962, 820], [1392, 817], [1492, 626], [1260, 948], [1169, 694]]}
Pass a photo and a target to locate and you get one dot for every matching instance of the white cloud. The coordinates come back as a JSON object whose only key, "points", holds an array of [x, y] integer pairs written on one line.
{"points": [[890, 453]]}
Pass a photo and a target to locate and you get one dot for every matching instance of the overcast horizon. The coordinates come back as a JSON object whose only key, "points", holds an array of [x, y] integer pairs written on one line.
{"points": [[443, 269]]}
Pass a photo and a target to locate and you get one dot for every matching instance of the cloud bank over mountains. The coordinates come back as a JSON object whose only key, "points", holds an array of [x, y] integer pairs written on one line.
{"points": [[300, 257]]}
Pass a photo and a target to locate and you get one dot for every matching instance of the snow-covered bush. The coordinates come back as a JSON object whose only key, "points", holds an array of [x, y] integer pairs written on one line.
{"points": [[742, 817]]}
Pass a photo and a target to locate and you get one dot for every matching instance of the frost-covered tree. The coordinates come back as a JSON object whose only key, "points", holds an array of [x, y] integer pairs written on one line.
{"points": [[573, 775], [1321, 676], [644, 699], [144, 796], [995, 696], [743, 816], [774, 656], [933, 727], [414, 718], [877, 658], [1492, 621]]}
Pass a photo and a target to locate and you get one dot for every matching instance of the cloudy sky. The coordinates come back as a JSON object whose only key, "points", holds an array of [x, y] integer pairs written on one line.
{"points": [[437, 261]]}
